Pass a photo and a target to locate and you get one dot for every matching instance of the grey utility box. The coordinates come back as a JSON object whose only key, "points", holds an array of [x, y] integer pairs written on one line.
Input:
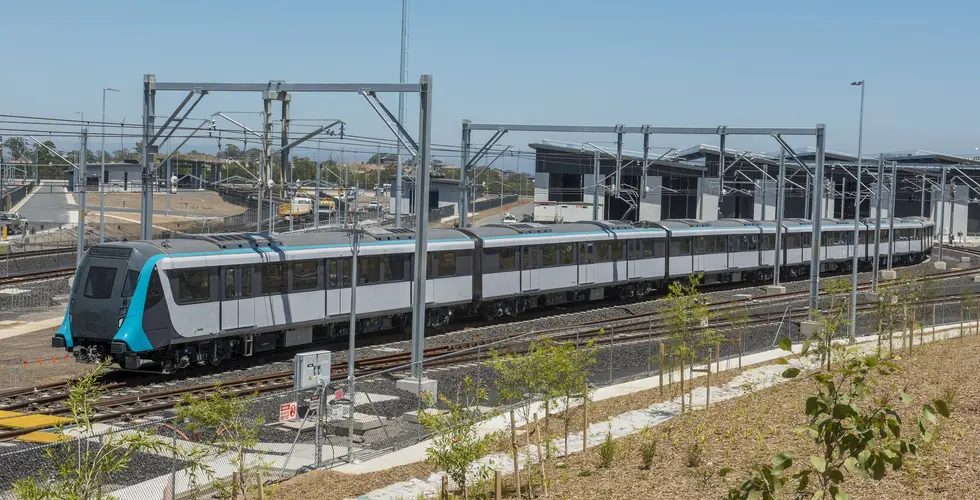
{"points": [[311, 369]]}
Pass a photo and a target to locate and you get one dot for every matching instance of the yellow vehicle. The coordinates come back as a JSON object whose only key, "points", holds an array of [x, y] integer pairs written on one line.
{"points": [[301, 207]]}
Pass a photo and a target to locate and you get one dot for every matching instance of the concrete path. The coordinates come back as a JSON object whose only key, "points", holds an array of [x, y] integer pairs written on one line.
{"points": [[15, 329]]}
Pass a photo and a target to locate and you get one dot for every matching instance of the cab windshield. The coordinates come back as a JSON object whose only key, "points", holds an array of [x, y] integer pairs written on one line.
{"points": [[100, 281]]}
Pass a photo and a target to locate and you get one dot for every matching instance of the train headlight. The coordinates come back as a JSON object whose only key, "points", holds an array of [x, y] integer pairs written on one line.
{"points": [[120, 322]]}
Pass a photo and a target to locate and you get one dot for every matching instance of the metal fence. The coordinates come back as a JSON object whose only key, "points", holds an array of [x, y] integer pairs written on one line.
{"points": [[382, 408]]}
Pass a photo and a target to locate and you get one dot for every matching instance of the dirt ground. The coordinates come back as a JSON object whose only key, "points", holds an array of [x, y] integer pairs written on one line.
{"points": [[743, 432], [198, 201], [31, 348]]}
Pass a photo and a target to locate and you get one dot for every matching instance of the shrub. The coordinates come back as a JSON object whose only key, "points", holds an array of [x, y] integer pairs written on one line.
{"points": [[607, 451], [649, 450]]}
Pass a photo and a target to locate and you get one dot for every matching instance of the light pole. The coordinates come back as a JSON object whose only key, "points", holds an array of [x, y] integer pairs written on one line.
{"points": [[857, 219], [102, 174]]}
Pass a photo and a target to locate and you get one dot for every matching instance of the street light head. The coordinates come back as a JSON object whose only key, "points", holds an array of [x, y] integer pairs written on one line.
{"points": [[859, 83], [110, 89]]}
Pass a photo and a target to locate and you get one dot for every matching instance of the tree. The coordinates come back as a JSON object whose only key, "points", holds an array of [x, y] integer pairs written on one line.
{"points": [[522, 377], [571, 367], [87, 471], [456, 442], [687, 321], [853, 431], [120, 154], [235, 431], [303, 169], [231, 151], [16, 147], [45, 156], [833, 318]]}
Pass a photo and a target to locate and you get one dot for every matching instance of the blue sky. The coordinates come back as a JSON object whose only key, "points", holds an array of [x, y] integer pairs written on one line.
{"points": [[694, 63]]}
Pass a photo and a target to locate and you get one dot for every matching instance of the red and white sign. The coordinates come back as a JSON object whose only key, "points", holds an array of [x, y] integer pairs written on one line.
{"points": [[337, 396], [287, 411]]}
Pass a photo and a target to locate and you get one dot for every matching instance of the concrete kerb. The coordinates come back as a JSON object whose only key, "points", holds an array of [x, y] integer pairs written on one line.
{"points": [[750, 380]]}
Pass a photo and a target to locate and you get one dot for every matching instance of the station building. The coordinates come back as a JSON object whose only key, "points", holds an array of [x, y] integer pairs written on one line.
{"points": [[685, 184]]}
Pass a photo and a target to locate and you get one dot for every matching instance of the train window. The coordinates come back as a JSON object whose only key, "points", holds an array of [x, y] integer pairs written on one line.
{"points": [[430, 267], [447, 264], [659, 249], [566, 254], [394, 268], [368, 270], [129, 286], [549, 255], [193, 286], [507, 259], [806, 238], [246, 280], [699, 245], [529, 258], [586, 253], [767, 242], [100, 281], [338, 273], [791, 241], [680, 246], [273, 278], [305, 275], [648, 250], [230, 290], [154, 293], [618, 250], [884, 235], [603, 251]]}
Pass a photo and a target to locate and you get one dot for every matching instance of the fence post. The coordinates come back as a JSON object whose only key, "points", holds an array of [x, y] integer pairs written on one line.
{"points": [[444, 493], [612, 334], [585, 419], [544, 477], [739, 350], [173, 472], [234, 485], [718, 357], [682, 385], [707, 385], [661, 368], [497, 485], [650, 347], [261, 487], [513, 445]]}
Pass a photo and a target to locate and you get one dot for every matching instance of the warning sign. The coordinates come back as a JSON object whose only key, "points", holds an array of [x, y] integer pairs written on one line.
{"points": [[287, 411]]}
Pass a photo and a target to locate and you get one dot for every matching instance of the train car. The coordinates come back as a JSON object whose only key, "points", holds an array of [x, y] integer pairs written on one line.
{"points": [[209, 298], [204, 299]]}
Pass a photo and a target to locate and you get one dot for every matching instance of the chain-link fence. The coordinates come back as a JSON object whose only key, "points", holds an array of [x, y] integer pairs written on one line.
{"points": [[336, 424]]}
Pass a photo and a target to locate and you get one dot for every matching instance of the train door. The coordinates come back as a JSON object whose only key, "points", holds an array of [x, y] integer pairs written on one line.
{"points": [[229, 299], [338, 281], [246, 304], [633, 252], [529, 269], [237, 310], [586, 263]]}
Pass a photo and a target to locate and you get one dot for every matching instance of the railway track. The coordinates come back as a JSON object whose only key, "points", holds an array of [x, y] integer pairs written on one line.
{"points": [[39, 253], [639, 327], [37, 276]]}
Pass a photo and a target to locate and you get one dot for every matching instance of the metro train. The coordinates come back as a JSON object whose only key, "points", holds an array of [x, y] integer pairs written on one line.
{"points": [[204, 299]]}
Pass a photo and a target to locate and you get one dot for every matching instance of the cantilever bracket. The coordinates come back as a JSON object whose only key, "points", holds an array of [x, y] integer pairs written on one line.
{"points": [[792, 154], [486, 148], [392, 122]]}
